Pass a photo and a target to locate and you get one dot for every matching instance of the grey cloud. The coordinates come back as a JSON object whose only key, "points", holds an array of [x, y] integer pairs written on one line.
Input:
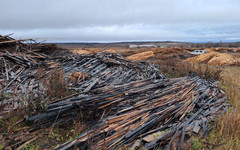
{"points": [[133, 33], [113, 20], [27, 14]]}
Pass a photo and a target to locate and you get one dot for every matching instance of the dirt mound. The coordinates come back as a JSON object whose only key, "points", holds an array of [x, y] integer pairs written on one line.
{"points": [[141, 56], [171, 53], [215, 58]]}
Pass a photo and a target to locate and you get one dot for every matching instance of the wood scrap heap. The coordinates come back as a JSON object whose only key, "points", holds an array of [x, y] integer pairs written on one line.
{"points": [[101, 69], [150, 113], [23, 66], [131, 103], [18, 67]]}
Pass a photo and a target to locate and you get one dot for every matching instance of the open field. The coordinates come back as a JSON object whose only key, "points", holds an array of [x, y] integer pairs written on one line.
{"points": [[113, 97], [172, 64], [119, 75], [225, 132]]}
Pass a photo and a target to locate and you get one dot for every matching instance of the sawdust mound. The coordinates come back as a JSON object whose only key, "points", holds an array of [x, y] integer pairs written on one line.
{"points": [[84, 51], [80, 52], [215, 58], [141, 56], [224, 59], [204, 58], [208, 50], [110, 51]]}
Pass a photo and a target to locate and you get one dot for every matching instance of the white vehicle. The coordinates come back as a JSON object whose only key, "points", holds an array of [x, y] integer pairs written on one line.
{"points": [[198, 52]]}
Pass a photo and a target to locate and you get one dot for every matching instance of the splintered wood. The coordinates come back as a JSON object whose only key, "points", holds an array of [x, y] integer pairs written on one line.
{"points": [[21, 79], [131, 103], [149, 113], [101, 69], [17, 74]]}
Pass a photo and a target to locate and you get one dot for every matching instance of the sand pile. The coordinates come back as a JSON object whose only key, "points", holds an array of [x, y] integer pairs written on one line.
{"points": [[141, 56], [215, 58]]}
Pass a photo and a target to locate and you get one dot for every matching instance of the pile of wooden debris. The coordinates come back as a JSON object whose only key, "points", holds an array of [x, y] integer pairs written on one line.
{"points": [[132, 103], [101, 69], [18, 69], [22, 62], [150, 113]]}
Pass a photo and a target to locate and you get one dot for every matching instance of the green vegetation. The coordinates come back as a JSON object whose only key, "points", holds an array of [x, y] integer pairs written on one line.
{"points": [[30, 147], [196, 144]]}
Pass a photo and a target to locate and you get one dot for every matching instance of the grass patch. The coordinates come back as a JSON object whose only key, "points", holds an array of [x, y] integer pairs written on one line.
{"points": [[30, 147], [226, 129]]}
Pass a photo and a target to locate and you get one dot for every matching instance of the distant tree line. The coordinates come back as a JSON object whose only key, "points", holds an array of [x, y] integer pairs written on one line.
{"points": [[219, 44]]}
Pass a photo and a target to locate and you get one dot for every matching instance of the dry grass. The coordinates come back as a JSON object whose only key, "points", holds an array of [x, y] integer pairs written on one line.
{"points": [[50, 138], [56, 84], [226, 128], [172, 68]]}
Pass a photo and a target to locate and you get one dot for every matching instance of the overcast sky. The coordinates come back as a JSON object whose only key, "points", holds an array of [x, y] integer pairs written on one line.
{"points": [[121, 20]]}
